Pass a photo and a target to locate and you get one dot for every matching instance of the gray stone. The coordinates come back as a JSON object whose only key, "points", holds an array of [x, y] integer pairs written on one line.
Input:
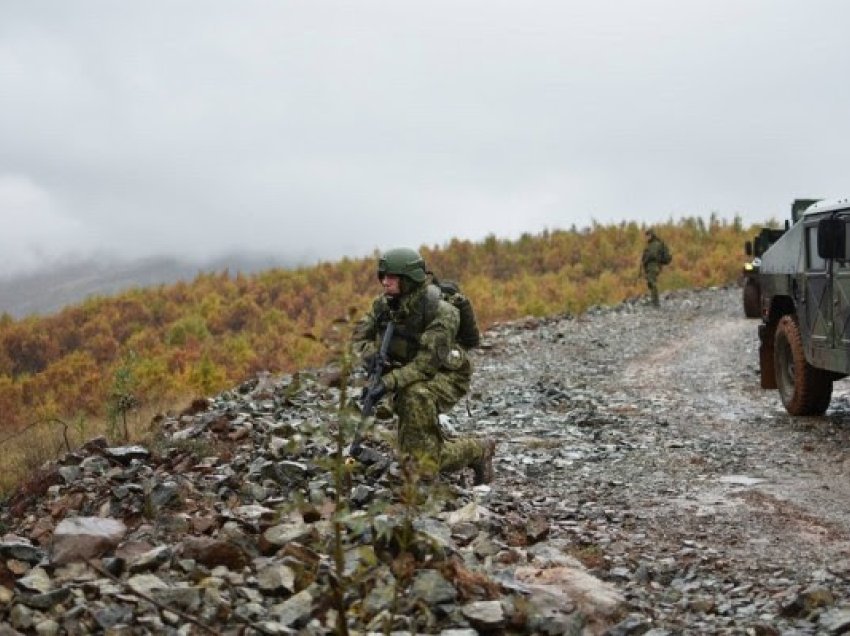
{"points": [[487, 615], [21, 616], [594, 596], [184, 598], [436, 531], [94, 465], [151, 560], [432, 588], [251, 611], [109, 617], [362, 495], [37, 581], [46, 600], [146, 583], [835, 620], [47, 628], [282, 534], [126, 454], [274, 579], [294, 611], [379, 598], [21, 550], [70, 473], [632, 624], [165, 494], [83, 538]]}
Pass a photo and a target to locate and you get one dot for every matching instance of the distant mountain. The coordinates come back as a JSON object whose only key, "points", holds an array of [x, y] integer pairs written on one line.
{"points": [[48, 290]]}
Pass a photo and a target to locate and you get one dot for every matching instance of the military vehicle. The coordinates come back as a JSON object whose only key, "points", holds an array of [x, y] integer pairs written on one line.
{"points": [[805, 305], [750, 275]]}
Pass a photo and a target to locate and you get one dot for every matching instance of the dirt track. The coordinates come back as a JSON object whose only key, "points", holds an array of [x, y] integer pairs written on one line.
{"points": [[652, 446]]}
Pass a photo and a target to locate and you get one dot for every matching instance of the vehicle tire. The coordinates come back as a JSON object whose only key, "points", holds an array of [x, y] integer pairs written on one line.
{"points": [[752, 308], [804, 389]]}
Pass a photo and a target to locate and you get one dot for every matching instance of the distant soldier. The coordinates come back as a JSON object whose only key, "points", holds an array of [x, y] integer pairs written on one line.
{"points": [[655, 256], [427, 372]]}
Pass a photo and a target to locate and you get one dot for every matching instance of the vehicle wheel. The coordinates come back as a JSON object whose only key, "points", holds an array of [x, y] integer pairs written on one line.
{"points": [[804, 389], [752, 301]]}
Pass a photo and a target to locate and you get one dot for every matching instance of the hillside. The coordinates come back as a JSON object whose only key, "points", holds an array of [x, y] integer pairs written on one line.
{"points": [[110, 363], [644, 484]]}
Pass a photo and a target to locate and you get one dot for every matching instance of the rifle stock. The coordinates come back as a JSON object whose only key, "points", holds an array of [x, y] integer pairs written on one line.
{"points": [[374, 379]]}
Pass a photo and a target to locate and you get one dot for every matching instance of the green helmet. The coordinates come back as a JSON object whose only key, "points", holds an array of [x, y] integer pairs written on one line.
{"points": [[403, 261]]}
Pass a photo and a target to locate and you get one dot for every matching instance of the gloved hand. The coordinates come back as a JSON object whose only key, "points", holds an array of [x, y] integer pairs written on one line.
{"points": [[376, 392], [370, 363]]}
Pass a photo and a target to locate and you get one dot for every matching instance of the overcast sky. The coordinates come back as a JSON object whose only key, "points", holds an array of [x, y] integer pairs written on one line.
{"points": [[316, 129]]}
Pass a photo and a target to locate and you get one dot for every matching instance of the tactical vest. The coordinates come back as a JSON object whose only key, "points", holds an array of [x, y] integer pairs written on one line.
{"points": [[410, 322]]}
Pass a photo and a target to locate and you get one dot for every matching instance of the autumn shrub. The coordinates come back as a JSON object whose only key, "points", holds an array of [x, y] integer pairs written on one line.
{"points": [[197, 337]]}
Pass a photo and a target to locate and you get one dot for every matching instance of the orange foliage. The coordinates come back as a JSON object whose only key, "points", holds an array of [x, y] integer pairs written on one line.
{"points": [[213, 332]]}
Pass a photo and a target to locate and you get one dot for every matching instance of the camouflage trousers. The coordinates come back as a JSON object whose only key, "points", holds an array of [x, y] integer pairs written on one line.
{"points": [[650, 272], [419, 431]]}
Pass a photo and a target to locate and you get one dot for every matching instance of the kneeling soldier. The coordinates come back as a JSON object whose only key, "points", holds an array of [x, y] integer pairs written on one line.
{"points": [[427, 371]]}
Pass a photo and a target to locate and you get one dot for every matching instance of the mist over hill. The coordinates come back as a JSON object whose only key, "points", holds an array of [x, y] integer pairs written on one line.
{"points": [[57, 285]]}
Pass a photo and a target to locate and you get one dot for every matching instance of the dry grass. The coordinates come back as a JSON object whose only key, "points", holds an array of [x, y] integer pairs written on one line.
{"points": [[591, 556], [25, 453], [469, 584]]}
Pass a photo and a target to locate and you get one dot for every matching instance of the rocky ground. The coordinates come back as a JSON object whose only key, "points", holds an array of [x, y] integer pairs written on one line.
{"points": [[650, 445], [645, 484]]}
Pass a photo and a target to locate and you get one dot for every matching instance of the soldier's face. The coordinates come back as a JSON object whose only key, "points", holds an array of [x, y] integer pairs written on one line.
{"points": [[391, 284]]}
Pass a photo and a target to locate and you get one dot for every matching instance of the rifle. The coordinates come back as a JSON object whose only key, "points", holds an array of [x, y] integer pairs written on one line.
{"points": [[375, 373]]}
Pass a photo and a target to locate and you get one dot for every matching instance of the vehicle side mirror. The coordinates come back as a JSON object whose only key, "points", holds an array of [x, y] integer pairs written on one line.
{"points": [[831, 239], [748, 248]]}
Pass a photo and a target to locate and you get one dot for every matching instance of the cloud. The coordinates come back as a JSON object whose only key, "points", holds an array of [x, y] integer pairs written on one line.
{"points": [[319, 130], [35, 224]]}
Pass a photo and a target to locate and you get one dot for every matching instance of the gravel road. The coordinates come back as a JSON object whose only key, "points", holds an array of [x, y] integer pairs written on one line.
{"points": [[644, 436]]}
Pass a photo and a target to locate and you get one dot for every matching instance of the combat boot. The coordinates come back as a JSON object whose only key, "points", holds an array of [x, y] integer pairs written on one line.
{"points": [[484, 467]]}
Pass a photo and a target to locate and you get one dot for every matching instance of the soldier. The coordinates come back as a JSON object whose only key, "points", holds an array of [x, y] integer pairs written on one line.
{"points": [[655, 256], [427, 371]]}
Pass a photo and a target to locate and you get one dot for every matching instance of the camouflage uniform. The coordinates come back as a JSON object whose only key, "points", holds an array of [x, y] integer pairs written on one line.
{"points": [[650, 264], [429, 373]]}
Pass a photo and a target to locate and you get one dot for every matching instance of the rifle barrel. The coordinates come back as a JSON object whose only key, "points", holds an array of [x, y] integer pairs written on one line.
{"points": [[374, 378]]}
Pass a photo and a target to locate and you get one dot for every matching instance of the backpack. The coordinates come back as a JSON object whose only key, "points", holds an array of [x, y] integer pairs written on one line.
{"points": [[468, 335], [664, 255]]}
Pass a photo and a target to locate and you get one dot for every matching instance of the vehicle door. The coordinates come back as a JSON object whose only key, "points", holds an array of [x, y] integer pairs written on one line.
{"points": [[817, 311], [841, 298]]}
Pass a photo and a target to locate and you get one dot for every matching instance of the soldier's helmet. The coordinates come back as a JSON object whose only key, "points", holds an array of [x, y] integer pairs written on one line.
{"points": [[403, 261], [650, 233]]}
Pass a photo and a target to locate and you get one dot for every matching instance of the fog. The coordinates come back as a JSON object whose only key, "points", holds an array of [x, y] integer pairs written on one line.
{"points": [[316, 130]]}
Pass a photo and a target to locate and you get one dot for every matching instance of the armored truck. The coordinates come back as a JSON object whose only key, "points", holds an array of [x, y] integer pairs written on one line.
{"points": [[805, 308]]}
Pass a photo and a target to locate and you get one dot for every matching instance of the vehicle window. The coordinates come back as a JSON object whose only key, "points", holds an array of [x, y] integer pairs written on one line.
{"points": [[845, 264], [813, 261]]}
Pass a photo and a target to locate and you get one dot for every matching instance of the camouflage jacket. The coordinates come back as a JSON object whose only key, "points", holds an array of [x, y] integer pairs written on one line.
{"points": [[423, 342], [652, 252]]}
